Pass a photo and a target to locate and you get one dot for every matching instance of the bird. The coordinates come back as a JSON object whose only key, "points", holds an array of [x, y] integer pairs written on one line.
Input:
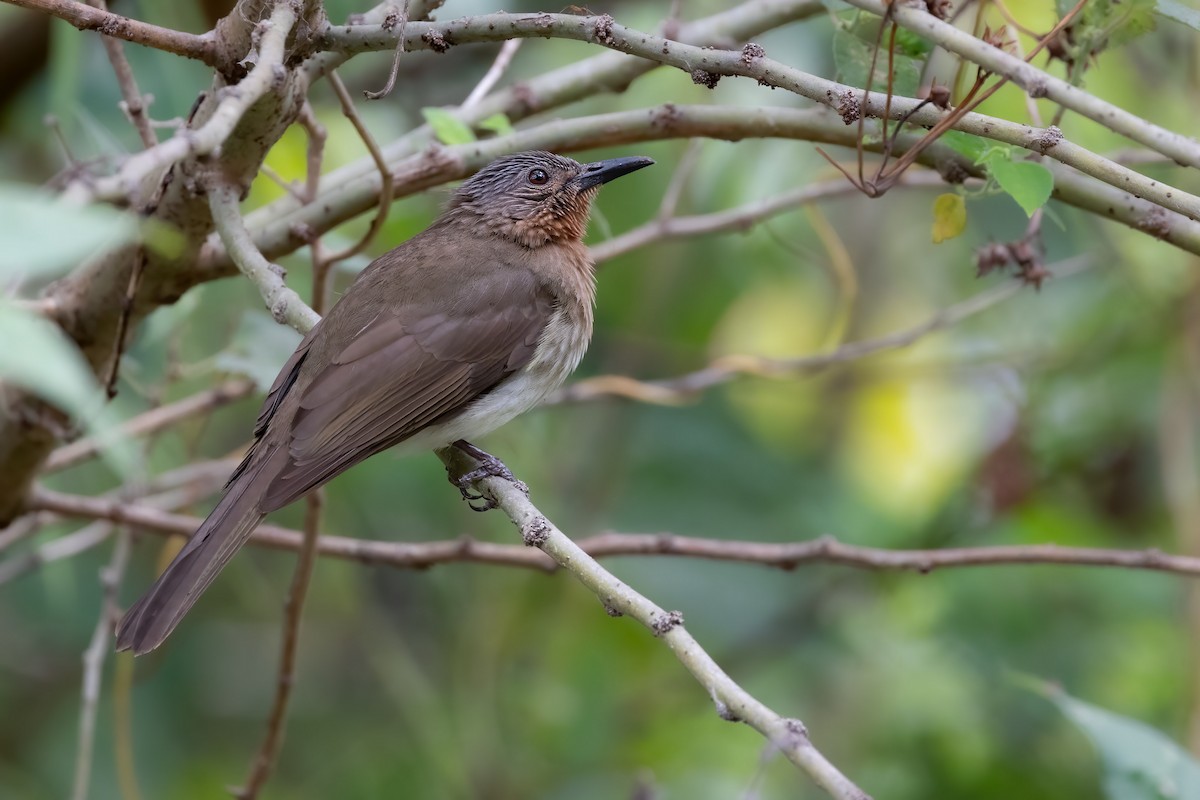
{"points": [[441, 340]]}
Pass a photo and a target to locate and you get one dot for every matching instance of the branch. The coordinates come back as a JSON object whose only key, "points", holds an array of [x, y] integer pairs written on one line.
{"points": [[781, 555], [507, 51], [151, 421], [87, 18], [733, 703], [706, 65], [607, 72], [237, 100], [672, 391], [93, 662], [135, 104], [283, 302], [58, 549], [743, 218], [268, 753], [1037, 83], [276, 232]]}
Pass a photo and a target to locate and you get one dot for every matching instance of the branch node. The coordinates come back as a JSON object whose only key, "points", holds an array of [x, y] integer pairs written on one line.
{"points": [[702, 77], [1048, 139], [848, 107], [796, 728], [752, 52], [666, 622], [535, 532], [436, 41], [724, 711], [604, 26]]}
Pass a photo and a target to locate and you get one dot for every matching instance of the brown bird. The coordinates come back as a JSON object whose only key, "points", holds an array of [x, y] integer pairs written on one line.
{"points": [[447, 337]]}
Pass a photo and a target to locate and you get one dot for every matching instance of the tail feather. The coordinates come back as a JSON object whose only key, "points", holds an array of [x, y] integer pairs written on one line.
{"points": [[152, 618]]}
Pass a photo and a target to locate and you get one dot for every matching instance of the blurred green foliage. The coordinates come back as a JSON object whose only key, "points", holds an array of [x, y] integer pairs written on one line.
{"points": [[1064, 415]]}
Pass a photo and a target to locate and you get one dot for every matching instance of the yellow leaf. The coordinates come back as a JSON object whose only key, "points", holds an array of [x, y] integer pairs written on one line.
{"points": [[949, 217]]}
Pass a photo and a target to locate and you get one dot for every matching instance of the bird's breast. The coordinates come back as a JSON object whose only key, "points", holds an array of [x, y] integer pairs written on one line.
{"points": [[560, 348]]}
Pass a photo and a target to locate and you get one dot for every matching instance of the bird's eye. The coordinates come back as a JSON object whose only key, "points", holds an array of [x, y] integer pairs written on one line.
{"points": [[539, 177]]}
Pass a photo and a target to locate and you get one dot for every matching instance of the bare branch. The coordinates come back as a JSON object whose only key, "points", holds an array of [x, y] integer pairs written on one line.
{"points": [[153, 420], [781, 555], [733, 703], [87, 18], [742, 218], [385, 173], [672, 391], [135, 103], [507, 51], [64, 547], [284, 304], [206, 139], [93, 662], [315, 152], [604, 31], [392, 20], [1038, 83], [275, 231], [268, 753]]}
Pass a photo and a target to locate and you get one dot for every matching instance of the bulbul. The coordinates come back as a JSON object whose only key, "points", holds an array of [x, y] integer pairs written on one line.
{"points": [[445, 338]]}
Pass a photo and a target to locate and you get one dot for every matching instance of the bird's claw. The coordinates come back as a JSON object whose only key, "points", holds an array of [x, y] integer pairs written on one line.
{"points": [[489, 467]]}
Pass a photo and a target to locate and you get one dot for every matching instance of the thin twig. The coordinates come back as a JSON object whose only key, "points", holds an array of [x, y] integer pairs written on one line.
{"points": [[204, 140], [127, 303], [315, 152], [134, 102], [297, 192], [153, 420], [390, 22], [494, 73], [93, 663], [385, 173], [21, 529], [63, 547], [742, 218], [679, 180], [264, 762], [87, 18], [673, 391], [1037, 82]]}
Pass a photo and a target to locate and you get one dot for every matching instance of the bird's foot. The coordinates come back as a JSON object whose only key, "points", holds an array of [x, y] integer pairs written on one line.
{"points": [[489, 467]]}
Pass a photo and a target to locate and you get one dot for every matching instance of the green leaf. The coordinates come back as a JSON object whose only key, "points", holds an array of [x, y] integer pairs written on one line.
{"points": [[498, 124], [1140, 763], [852, 56], [260, 347], [448, 128], [1179, 13], [949, 217], [1028, 183], [49, 365], [912, 45], [967, 144], [44, 237]]}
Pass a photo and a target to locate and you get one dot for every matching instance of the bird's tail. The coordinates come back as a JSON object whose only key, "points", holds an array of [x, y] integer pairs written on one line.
{"points": [[152, 618]]}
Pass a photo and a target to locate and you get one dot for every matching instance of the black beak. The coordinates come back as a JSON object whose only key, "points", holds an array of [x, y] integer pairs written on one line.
{"points": [[599, 172]]}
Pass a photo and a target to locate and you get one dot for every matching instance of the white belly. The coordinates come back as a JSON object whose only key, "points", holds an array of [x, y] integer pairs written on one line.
{"points": [[558, 353]]}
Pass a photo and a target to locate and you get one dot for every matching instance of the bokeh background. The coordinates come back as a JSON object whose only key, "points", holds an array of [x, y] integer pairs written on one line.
{"points": [[1064, 415]]}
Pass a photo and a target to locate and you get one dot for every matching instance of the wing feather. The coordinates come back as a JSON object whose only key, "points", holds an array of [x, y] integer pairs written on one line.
{"points": [[397, 375]]}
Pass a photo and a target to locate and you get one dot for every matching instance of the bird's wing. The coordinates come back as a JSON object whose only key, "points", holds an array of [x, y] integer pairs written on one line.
{"points": [[399, 374]]}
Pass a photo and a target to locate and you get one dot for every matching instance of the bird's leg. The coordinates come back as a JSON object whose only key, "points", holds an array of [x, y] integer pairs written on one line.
{"points": [[489, 467]]}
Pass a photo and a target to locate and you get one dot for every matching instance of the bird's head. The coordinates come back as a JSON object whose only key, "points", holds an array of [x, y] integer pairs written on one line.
{"points": [[536, 197]]}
